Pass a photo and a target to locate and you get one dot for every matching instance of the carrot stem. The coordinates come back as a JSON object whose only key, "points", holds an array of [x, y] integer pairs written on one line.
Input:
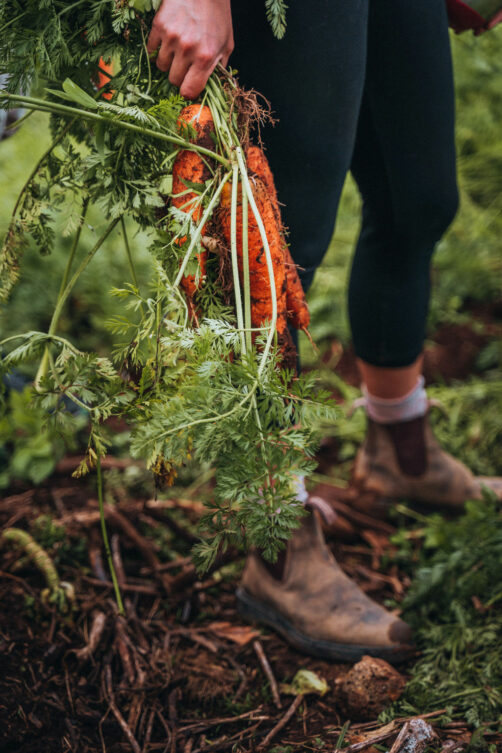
{"points": [[235, 263], [245, 268], [199, 228], [34, 103], [268, 257], [128, 252], [62, 297], [42, 369]]}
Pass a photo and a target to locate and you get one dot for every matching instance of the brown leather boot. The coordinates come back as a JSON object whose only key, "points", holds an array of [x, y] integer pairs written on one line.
{"points": [[404, 461], [316, 607]]}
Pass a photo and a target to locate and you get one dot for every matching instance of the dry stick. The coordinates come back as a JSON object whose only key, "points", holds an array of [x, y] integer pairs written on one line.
{"points": [[398, 720], [68, 464], [414, 737], [189, 576], [175, 527], [356, 747], [359, 518], [203, 726], [142, 544], [149, 728], [97, 628], [117, 560], [281, 723], [260, 653], [116, 713], [223, 743], [173, 717], [129, 587]]}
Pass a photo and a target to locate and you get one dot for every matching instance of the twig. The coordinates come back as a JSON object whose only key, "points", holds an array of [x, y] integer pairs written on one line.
{"points": [[354, 516], [149, 728], [414, 737], [189, 576], [370, 740], [223, 743], [116, 713], [281, 723], [124, 650], [173, 717], [97, 628], [139, 589], [68, 464], [170, 523], [260, 653], [141, 543], [117, 560], [196, 727], [179, 562]]}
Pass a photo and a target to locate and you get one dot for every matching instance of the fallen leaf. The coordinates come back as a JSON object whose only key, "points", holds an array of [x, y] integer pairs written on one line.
{"points": [[305, 682], [240, 634]]}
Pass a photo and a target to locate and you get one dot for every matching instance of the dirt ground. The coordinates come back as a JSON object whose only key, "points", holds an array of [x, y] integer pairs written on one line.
{"points": [[182, 671]]}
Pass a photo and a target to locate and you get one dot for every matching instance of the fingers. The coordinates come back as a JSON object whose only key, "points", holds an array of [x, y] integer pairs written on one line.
{"points": [[195, 79], [154, 40], [165, 57], [179, 69], [189, 65]]}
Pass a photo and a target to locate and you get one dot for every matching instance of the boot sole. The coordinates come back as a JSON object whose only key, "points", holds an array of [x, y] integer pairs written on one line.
{"points": [[255, 611]]}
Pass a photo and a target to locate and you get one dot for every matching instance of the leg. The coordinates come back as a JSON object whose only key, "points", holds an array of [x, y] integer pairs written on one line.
{"points": [[314, 79], [404, 163]]}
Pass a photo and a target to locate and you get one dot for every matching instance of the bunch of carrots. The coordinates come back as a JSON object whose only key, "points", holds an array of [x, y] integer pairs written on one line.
{"points": [[190, 168]]}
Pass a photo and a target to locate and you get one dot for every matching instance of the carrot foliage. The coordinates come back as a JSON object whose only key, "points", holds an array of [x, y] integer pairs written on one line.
{"points": [[202, 388]]}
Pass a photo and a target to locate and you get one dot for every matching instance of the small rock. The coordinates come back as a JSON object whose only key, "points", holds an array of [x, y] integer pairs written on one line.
{"points": [[370, 686]]}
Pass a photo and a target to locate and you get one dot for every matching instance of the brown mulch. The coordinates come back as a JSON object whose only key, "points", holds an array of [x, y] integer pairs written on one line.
{"points": [[182, 671]]}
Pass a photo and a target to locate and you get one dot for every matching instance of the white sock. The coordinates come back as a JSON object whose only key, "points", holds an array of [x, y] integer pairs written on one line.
{"points": [[395, 410]]}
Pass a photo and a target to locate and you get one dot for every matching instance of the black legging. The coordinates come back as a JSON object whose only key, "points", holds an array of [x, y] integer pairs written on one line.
{"points": [[364, 85]]}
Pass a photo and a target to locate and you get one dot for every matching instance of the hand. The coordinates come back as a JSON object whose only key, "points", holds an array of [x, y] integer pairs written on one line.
{"points": [[193, 37]]}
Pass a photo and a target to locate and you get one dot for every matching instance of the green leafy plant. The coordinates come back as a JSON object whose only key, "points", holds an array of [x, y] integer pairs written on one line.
{"points": [[33, 441], [455, 607], [207, 389]]}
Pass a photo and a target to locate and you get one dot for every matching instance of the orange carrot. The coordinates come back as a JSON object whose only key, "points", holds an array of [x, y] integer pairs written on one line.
{"points": [[297, 309], [188, 168], [261, 300], [105, 73]]}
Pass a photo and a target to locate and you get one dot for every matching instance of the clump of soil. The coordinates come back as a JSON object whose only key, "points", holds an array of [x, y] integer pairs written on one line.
{"points": [[369, 687]]}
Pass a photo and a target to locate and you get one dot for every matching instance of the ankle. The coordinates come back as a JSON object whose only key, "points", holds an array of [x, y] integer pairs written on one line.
{"points": [[410, 406]]}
